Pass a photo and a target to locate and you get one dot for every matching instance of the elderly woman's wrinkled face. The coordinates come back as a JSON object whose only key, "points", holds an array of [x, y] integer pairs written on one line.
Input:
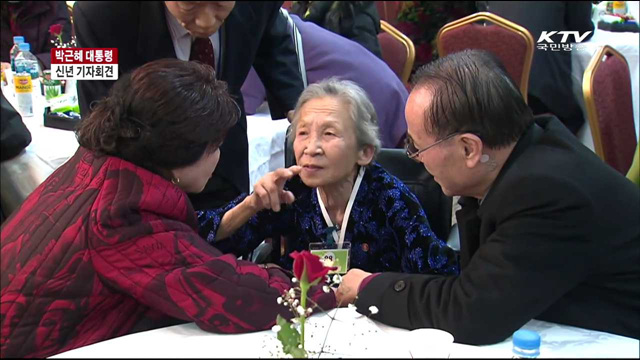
{"points": [[325, 143], [201, 18], [194, 177]]}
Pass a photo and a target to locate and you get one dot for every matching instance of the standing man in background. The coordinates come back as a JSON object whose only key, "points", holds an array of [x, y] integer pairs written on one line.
{"points": [[229, 36], [550, 83], [327, 54]]}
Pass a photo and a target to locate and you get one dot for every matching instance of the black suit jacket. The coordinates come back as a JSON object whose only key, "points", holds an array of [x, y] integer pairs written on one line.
{"points": [[558, 240], [14, 135], [253, 34]]}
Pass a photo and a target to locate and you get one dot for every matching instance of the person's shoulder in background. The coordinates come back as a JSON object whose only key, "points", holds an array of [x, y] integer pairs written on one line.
{"points": [[107, 18], [324, 49], [328, 54], [579, 18], [14, 135]]}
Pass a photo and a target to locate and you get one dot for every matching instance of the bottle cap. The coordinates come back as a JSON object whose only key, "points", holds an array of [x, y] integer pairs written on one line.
{"points": [[24, 47], [18, 39], [526, 339]]}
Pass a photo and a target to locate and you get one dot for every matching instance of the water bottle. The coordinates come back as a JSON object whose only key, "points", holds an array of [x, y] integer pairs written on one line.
{"points": [[26, 79], [15, 49], [27, 62], [526, 344], [24, 93]]}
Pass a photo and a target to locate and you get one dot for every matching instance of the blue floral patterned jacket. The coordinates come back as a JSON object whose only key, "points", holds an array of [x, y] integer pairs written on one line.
{"points": [[387, 228]]}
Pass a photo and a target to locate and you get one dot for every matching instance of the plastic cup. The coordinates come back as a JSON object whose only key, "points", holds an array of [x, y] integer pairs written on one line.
{"points": [[429, 343]]}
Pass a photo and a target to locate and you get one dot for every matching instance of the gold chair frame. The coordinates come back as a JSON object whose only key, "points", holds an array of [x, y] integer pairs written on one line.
{"points": [[589, 101], [408, 45], [504, 23], [634, 171]]}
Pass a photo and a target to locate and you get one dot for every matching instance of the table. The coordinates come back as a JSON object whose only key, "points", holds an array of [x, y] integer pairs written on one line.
{"points": [[350, 335], [52, 147], [627, 44]]}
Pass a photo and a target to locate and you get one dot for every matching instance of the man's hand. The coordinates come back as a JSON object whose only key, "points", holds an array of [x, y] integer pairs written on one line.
{"points": [[269, 193], [348, 289]]}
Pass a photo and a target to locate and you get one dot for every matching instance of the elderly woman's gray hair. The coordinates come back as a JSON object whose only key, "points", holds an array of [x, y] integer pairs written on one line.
{"points": [[361, 109]]}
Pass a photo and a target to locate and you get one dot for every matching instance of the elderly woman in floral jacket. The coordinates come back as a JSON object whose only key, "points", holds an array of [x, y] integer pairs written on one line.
{"points": [[336, 194], [107, 245]]}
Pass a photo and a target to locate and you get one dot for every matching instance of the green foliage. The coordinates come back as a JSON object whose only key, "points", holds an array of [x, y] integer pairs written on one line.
{"points": [[51, 92], [290, 339], [421, 21]]}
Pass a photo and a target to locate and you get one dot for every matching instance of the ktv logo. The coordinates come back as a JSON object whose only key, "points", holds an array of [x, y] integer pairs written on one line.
{"points": [[545, 41]]}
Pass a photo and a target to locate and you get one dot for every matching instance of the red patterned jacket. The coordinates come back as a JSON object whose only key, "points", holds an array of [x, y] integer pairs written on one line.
{"points": [[104, 248]]}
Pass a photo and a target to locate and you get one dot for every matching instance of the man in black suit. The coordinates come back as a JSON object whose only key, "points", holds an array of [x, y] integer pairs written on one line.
{"points": [[550, 81], [229, 36], [547, 230]]}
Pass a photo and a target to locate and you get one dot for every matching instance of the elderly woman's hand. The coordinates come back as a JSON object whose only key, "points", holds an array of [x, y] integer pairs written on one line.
{"points": [[269, 193]]}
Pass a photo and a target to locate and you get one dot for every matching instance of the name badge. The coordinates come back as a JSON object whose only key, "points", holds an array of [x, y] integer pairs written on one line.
{"points": [[330, 255]]}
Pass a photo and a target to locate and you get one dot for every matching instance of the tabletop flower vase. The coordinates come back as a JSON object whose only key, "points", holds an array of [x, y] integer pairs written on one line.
{"points": [[308, 271]]}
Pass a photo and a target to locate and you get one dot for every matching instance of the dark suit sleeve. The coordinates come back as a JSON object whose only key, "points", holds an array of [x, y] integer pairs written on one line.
{"points": [[88, 36], [277, 65], [14, 135], [534, 257], [578, 17]]}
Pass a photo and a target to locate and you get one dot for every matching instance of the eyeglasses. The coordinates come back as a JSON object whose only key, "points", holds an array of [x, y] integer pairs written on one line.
{"points": [[413, 152]]}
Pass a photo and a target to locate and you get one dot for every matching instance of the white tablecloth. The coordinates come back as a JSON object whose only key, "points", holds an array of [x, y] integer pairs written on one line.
{"points": [[627, 44], [350, 335]]}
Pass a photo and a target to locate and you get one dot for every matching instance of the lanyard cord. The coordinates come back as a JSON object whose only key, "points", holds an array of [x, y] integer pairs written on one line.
{"points": [[332, 228]]}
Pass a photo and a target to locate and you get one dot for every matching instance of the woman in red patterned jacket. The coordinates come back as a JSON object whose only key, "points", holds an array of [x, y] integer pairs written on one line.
{"points": [[108, 244]]}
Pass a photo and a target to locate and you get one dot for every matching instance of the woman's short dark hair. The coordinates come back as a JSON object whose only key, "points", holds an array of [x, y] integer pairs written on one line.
{"points": [[164, 115], [472, 92]]}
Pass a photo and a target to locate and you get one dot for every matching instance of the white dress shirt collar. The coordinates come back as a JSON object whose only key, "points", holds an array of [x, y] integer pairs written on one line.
{"points": [[182, 39]]}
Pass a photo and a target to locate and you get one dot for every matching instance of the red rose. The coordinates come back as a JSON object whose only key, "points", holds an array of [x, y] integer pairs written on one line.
{"points": [[307, 267], [55, 29]]}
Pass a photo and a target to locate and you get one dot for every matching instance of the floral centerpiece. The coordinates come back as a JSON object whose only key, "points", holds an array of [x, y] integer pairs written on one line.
{"points": [[56, 32], [308, 271], [421, 21], [55, 88]]}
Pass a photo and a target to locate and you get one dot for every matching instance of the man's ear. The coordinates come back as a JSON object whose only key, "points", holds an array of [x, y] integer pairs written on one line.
{"points": [[472, 147], [365, 155]]}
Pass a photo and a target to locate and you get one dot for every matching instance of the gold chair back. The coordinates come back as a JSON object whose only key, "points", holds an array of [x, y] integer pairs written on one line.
{"points": [[606, 87], [407, 43], [451, 38]]}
